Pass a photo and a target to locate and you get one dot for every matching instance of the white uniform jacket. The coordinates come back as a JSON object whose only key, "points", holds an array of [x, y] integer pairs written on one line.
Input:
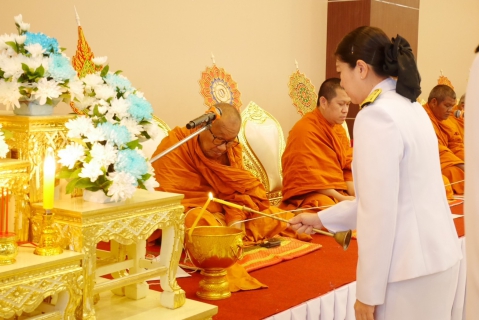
{"points": [[403, 220]]}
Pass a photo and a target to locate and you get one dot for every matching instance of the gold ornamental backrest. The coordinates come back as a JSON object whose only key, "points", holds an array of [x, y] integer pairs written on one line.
{"points": [[149, 146], [263, 145]]}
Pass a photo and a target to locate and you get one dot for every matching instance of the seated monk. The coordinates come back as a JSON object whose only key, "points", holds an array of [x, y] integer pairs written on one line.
{"points": [[458, 115], [317, 158], [451, 146], [213, 162]]}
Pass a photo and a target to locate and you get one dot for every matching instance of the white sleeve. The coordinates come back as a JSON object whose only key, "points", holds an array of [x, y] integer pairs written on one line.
{"points": [[340, 217], [379, 150]]}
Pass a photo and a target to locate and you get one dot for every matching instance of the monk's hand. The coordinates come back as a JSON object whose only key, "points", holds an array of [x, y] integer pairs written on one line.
{"points": [[363, 311], [348, 198], [305, 222]]}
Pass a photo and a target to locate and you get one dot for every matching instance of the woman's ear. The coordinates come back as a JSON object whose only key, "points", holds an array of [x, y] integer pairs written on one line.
{"points": [[363, 68]]}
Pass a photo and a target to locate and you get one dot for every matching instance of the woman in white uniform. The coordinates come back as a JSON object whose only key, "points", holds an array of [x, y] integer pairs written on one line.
{"points": [[409, 251]]}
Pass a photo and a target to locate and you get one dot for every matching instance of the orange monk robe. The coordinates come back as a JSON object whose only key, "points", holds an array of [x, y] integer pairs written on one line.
{"points": [[318, 156], [458, 121], [186, 170], [451, 150]]}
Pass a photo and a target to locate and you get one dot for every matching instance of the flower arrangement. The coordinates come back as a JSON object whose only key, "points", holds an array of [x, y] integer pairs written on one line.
{"points": [[34, 69], [105, 152]]}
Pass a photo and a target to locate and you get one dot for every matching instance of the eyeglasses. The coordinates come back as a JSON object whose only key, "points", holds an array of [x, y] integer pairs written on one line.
{"points": [[228, 143]]}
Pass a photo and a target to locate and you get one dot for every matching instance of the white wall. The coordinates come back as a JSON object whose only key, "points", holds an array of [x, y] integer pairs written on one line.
{"points": [[448, 35], [163, 46]]}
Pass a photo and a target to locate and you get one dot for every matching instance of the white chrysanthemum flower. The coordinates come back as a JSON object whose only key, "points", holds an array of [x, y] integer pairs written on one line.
{"points": [[104, 154], [99, 61], [76, 89], [140, 94], [9, 94], [71, 154], [120, 107], [92, 80], [36, 50], [95, 135], [24, 26], [79, 126], [91, 170], [123, 186], [104, 91], [133, 126], [47, 89], [20, 39], [103, 106], [152, 129], [18, 19], [12, 67], [85, 102], [151, 184]]}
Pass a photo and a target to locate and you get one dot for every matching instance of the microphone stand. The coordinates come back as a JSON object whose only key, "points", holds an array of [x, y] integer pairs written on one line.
{"points": [[179, 143]]}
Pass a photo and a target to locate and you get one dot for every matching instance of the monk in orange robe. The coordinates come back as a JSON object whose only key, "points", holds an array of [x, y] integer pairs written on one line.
{"points": [[213, 162], [458, 115], [317, 158], [439, 107]]}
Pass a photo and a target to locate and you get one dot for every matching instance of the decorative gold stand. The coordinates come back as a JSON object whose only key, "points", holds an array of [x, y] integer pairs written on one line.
{"points": [[8, 248], [214, 285], [48, 245]]}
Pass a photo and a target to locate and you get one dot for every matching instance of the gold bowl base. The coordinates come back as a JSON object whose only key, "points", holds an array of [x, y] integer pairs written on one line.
{"points": [[214, 285], [8, 248]]}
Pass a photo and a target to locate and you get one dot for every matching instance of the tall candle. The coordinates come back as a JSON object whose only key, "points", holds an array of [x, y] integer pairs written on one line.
{"points": [[48, 179], [203, 209]]}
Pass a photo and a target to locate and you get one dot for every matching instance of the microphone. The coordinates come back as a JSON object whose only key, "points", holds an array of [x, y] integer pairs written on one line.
{"points": [[204, 119], [459, 114]]}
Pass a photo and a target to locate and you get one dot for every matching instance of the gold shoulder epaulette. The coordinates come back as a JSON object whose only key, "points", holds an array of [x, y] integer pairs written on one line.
{"points": [[370, 99]]}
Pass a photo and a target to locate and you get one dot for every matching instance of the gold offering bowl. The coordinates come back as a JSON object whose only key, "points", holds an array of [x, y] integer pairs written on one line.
{"points": [[213, 249], [8, 248]]}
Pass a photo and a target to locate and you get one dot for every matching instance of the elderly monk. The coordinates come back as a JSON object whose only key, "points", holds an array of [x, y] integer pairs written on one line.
{"points": [[458, 115], [317, 159], [213, 162], [440, 103]]}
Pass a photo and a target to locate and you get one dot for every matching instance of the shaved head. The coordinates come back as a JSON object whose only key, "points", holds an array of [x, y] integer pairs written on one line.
{"points": [[441, 92]]}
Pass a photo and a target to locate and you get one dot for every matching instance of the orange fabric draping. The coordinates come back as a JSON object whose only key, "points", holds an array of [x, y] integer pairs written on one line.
{"points": [[318, 156], [451, 150]]}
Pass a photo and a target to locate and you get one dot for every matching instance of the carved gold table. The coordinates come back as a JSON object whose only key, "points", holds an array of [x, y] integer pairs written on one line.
{"points": [[83, 224], [14, 177], [24, 284]]}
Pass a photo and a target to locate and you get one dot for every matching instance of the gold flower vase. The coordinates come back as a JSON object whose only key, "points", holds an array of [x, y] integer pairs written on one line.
{"points": [[8, 248], [213, 249]]}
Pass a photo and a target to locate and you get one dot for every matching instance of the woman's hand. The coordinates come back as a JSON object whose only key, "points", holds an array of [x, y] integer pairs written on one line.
{"points": [[305, 222], [363, 311]]}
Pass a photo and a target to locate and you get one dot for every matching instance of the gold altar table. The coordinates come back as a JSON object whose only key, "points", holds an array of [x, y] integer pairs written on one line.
{"points": [[81, 225], [26, 283]]}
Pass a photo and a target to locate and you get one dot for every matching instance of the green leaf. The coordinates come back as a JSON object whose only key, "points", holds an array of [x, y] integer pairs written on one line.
{"points": [[79, 141], [104, 71], [146, 176], [1, 73], [145, 134], [40, 71], [25, 68], [141, 185], [65, 173], [71, 185], [13, 44], [96, 112], [84, 183], [133, 144], [118, 72], [63, 49]]}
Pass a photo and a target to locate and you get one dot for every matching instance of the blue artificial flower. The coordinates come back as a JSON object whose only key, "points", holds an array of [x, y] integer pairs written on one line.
{"points": [[132, 162], [60, 68], [49, 44], [117, 81], [140, 109], [117, 134]]}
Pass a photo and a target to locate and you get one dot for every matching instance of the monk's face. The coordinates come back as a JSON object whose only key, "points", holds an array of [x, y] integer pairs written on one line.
{"points": [[221, 136], [443, 109], [335, 110], [461, 103]]}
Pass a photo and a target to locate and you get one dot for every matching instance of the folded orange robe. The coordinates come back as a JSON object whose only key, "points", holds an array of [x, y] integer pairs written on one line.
{"points": [[318, 156], [451, 150]]}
